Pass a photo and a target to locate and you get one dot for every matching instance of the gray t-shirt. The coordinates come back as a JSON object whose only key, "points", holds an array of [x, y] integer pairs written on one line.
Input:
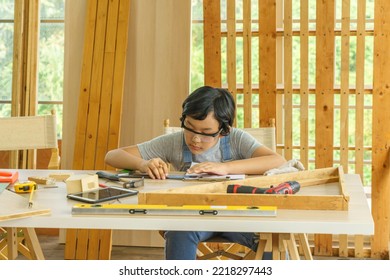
{"points": [[169, 148]]}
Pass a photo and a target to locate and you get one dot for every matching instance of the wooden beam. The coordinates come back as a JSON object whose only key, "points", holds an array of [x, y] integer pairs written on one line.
{"points": [[231, 48], [288, 92], [247, 67], [324, 100], [304, 80], [381, 131], [344, 88], [212, 43], [267, 63]]}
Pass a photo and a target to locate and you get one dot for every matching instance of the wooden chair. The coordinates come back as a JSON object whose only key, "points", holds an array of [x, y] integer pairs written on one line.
{"points": [[23, 136], [220, 248]]}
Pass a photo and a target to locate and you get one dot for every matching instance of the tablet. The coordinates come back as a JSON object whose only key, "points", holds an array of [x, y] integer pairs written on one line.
{"points": [[102, 194]]}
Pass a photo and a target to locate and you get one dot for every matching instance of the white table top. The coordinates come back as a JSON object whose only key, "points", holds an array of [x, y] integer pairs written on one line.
{"points": [[357, 220]]}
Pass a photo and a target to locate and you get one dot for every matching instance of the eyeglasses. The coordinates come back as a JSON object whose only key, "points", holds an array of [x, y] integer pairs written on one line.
{"points": [[204, 137]]}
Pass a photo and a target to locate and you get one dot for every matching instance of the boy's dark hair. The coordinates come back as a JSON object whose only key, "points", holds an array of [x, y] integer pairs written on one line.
{"points": [[207, 99]]}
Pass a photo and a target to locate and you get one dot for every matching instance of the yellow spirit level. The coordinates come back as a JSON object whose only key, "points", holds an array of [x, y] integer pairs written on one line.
{"points": [[25, 187], [143, 209]]}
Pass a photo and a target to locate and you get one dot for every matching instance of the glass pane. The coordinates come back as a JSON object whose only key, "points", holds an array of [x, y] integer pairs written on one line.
{"points": [[52, 9], [6, 53], [51, 62]]}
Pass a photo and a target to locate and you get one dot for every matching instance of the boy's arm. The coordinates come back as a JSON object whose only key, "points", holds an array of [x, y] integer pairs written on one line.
{"points": [[130, 158], [262, 160]]}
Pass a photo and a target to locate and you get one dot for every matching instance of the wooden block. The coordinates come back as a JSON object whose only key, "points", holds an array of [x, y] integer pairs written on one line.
{"points": [[81, 182], [60, 176], [42, 180]]}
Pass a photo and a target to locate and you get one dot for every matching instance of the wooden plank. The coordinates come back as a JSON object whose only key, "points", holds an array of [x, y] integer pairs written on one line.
{"points": [[96, 79], [107, 85], [360, 54], [231, 48], [215, 193], [82, 244], [70, 244], [359, 246], [93, 244], [343, 246], [85, 86], [105, 244], [304, 83], [247, 67], [267, 61], [331, 202], [14, 206], [288, 102], [381, 131], [119, 74], [212, 42], [324, 100], [344, 86]]}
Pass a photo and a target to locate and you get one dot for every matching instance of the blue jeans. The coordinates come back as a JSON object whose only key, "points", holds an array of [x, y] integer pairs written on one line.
{"points": [[181, 245]]}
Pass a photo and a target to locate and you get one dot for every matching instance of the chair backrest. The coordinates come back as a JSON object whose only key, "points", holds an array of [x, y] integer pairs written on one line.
{"points": [[30, 133], [265, 135], [170, 129]]}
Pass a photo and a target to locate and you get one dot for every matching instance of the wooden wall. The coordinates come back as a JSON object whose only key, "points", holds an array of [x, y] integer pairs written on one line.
{"points": [[157, 69], [277, 94]]}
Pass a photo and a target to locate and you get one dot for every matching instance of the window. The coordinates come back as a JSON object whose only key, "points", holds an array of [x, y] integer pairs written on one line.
{"points": [[50, 57]]}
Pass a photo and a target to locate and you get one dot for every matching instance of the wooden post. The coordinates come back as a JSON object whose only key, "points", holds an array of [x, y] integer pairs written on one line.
{"points": [[324, 100], [381, 131], [231, 48], [288, 96], [212, 43], [304, 80], [267, 63], [247, 43]]}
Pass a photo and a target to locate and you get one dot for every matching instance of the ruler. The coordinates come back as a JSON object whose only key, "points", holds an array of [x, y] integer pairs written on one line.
{"points": [[164, 210]]}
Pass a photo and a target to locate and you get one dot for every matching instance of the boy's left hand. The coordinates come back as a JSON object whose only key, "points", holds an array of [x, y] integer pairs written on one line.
{"points": [[216, 168]]}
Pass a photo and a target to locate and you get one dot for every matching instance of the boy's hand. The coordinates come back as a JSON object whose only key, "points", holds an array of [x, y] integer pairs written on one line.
{"points": [[156, 168], [216, 168]]}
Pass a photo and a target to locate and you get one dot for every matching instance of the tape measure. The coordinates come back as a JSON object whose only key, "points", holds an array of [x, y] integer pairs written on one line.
{"points": [[162, 210], [25, 187]]}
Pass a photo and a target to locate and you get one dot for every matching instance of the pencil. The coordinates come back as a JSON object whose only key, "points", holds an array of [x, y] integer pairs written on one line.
{"points": [[30, 200]]}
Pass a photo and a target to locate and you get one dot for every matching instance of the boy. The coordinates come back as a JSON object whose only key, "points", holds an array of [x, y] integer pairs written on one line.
{"points": [[209, 140]]}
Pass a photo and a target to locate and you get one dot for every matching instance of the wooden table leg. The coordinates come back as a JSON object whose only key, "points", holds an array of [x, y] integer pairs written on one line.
{"points": [[305, 246], [33, 244], [88, 244], [12, 243]]}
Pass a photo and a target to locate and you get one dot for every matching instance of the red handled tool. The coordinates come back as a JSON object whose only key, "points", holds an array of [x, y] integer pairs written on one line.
{"points": [[289, 187], [8, 177]]}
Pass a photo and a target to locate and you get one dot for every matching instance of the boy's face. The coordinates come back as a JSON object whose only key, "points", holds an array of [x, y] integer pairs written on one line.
{"points": [[201, 135]]}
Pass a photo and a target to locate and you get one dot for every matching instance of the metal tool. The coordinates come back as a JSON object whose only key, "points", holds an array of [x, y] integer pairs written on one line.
{"points": [[127, 183], [25, 187], [162, 210]]}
